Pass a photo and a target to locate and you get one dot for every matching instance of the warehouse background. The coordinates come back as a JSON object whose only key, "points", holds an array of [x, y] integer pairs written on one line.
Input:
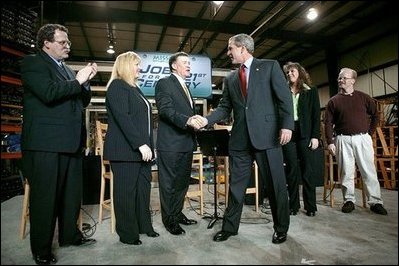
{"points": [[359, 34]]}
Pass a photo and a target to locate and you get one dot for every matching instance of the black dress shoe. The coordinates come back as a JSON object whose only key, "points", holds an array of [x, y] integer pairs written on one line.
{"points": [[44, 260], [134, 242], [175, 229], [310, 213], [84, 242], [223, 236], [153, 234], [80, 242], [279, 238], [137, 242], [187, 221], [293, 212]]}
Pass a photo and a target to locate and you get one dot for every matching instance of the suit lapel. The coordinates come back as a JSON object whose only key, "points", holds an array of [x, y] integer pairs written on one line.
{"points": [[181, 91], [253, 77], [140, 95], [68, 71], [61, 73], [237, 86]]}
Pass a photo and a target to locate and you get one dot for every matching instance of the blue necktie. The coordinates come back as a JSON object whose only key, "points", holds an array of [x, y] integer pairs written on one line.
{"points": [[62, 66]]}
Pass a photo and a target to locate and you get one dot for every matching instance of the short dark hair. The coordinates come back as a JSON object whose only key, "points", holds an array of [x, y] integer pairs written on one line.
{"points": [[46, 33], [173, 58]]}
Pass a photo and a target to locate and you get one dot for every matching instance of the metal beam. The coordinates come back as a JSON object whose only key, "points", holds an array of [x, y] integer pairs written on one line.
{"points": [[98, 14]]}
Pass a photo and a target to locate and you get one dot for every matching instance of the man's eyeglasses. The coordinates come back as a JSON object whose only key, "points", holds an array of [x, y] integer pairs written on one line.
{"points": [[63, 43], [343, 78]]}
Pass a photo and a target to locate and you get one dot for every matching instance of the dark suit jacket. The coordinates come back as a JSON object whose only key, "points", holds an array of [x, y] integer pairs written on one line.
{"points": [[53, 106], [267, 109], [174, 110], [129, 125], [309, 114]]}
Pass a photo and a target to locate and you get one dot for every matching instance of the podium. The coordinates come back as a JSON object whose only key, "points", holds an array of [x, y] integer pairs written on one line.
{"points": [[214, 143]]}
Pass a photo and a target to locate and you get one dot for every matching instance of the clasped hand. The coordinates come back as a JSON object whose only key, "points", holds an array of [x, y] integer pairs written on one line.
{"points": [[314, 143], [197, 122], [285, 136], [146, 153]]}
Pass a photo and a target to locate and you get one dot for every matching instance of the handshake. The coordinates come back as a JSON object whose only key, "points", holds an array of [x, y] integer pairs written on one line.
{"points": [[197, 122]]}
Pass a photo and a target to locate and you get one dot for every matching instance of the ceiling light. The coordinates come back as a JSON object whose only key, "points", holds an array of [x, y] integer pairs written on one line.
{"points": [[110, 49], [312, 13], [111, 40], [215, 8]]}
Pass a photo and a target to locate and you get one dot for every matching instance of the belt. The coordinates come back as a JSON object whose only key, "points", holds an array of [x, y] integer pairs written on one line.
{"points": [[356, 134]]}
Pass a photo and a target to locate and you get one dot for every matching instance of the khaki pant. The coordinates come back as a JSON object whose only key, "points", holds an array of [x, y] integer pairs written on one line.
{"points": [[357, 149]]}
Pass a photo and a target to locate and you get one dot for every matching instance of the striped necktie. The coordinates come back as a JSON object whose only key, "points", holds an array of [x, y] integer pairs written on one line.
{"points": [[62, 66], [187, 94]]}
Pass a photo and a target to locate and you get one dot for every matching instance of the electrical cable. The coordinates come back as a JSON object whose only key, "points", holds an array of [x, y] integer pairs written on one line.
{"points": [[88, 230]]}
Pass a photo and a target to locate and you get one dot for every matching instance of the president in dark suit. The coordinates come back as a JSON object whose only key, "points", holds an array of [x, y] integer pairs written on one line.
{"points": [[53, 135], [129, 147], [263, 121], [175, 142]]}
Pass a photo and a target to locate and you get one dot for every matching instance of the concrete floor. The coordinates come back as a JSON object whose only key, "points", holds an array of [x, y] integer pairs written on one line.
{"points": [[331, 237]]}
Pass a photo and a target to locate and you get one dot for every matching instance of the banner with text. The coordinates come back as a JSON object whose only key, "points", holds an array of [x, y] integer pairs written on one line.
{"points": [[155, 66]]}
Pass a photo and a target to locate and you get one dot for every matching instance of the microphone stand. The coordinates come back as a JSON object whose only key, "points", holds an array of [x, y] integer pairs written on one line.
{"points": [[215, 216]]}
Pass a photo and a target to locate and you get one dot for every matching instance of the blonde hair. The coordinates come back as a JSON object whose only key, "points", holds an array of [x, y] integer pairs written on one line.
{"points": [[123, 68]]}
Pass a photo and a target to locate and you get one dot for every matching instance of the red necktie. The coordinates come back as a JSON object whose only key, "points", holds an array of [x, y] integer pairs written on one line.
{"points": [[243, 80]]}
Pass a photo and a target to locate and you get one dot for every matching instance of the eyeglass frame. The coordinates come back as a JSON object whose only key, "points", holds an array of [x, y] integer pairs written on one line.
{"points": [[343, 78], [63, 43]]}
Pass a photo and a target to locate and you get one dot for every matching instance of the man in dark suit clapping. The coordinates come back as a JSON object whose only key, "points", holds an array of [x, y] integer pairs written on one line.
{"points": [[53, 134]]}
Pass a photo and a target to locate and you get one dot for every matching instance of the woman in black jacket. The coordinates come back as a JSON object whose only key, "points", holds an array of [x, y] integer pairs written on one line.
{"points": [[130, 149], [305, 139]]}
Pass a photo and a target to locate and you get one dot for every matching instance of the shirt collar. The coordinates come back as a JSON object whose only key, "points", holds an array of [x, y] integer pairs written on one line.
{"points": [[180, 79], [59, 62], [248, 63]]}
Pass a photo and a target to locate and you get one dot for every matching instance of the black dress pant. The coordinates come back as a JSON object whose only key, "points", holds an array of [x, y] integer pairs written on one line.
{"points": [[271, 169], [55, 181], [298, 160], [174, 173], [132, 191]]}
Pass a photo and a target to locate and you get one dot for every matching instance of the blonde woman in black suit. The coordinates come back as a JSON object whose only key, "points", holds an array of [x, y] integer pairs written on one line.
{"points": [[129, 148], [305, 139]]}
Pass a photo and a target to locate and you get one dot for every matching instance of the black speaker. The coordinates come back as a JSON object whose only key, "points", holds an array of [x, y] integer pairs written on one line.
{"points": [[91, 179]]}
